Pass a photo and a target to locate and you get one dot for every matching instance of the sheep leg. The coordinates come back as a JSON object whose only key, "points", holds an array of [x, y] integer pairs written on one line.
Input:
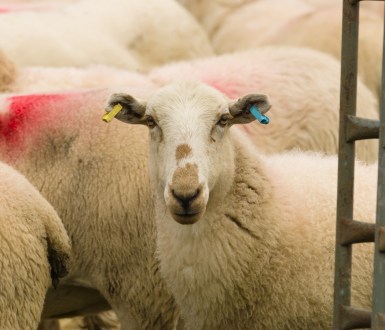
{"points": [[59, 264]]}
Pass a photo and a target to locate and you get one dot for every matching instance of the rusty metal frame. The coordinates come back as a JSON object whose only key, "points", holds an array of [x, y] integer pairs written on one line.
{"points": [[348, 230], [378, 304]]}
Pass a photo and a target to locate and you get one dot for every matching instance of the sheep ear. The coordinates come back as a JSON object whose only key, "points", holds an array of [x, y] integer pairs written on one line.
{"points": [[240, 109], [133, 111]]}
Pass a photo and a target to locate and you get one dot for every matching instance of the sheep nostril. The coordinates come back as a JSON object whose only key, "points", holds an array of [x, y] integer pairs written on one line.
{"points": [[186, 199]]}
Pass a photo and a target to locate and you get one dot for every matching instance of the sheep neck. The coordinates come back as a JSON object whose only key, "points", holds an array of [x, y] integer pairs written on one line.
{"points": [[213, 261]]}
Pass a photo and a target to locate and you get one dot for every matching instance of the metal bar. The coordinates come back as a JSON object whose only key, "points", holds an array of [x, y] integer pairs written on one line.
{"points": [[362, 128], [381, 239], [356, 232], [379, 257], [355, 318], [346, 154]]}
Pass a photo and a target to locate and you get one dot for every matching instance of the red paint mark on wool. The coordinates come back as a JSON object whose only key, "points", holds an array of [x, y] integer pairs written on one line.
{"points": [[25, 111], [229, 91], [5, 10]]}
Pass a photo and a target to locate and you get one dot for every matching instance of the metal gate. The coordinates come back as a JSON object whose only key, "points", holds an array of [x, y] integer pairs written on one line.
{"points": [[352, 231]]}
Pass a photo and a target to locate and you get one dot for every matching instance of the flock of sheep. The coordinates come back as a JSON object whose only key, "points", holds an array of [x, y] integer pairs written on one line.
{"points": [[193, 216]]}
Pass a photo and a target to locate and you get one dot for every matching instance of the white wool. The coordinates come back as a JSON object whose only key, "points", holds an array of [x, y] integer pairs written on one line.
{"points": [[240, 25], [123, 33], [31, 233], [76, 161]]}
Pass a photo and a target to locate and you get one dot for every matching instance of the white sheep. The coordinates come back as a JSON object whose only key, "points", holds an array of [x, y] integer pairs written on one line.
{"points": [[59, 142], [239, 25], [303, 85], [124, 33], [244, 241], [34, 250]]}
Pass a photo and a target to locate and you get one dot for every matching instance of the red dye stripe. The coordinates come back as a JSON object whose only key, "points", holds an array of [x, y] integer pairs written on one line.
{"points": [[25, 110]]}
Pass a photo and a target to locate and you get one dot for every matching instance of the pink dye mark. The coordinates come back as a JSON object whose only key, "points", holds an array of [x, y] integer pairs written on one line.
{"points": [[229, 91], [25, 110], [5, 10]]}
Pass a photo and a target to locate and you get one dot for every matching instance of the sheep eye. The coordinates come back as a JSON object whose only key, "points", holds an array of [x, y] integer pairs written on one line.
{"points": [[223, 121], [150, 122]]}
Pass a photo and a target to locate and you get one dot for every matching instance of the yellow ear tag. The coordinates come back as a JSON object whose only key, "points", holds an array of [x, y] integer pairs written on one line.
{"points": [[110, 115]]}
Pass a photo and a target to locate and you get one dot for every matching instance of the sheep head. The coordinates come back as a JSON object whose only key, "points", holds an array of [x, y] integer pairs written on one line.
{"points": [[190, 154]]}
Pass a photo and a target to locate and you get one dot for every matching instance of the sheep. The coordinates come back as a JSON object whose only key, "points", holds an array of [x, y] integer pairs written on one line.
{"points": [[327, 22], [34, 250], [296, 23], [60, 137], [245, 241], [123, 33], [303, 84], [213, 15], [59, 142]]}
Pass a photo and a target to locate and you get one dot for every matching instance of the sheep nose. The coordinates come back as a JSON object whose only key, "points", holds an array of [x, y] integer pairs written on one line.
{"points": [[186, 199]]}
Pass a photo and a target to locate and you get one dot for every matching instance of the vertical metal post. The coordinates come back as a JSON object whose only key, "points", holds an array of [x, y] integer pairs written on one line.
{"points": [[346, 155], [378, 305]]}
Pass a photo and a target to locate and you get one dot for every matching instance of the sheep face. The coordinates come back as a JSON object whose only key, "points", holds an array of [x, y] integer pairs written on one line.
{"points": [[190, 154]]}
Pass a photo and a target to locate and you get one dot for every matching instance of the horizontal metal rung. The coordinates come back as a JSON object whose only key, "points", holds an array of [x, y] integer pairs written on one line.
{"points": [[355, 318], [353, 231], [361, 128]]}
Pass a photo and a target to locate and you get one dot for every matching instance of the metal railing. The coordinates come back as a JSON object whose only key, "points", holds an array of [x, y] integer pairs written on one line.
{"points": [[351, 231]]}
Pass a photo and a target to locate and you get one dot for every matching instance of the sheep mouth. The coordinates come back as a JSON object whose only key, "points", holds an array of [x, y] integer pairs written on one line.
{"points": [[186, 218]]}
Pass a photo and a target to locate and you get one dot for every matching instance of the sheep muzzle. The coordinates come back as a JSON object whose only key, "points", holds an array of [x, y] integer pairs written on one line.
{"points": [[186, 200]]}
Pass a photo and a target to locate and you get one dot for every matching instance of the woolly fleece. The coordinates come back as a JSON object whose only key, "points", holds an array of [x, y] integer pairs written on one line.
{"points": [[76, 161], [230, 25], [123, 33], [34, 247]]}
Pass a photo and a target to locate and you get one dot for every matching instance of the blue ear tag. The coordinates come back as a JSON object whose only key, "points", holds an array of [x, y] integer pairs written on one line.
{"points": [[260, 117]]}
